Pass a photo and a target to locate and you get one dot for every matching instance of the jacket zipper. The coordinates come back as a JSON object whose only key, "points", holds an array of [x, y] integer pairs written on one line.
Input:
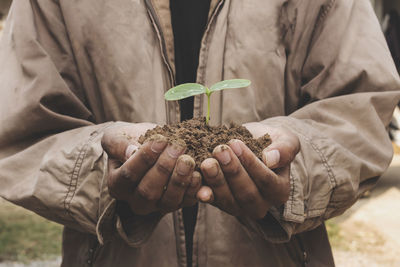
{"points": [[206, 33], [201, 80], [160, 35]]}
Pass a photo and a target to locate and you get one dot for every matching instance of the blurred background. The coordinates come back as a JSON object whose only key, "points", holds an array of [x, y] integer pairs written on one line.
{"points": [[4, 6], [368, 234]]}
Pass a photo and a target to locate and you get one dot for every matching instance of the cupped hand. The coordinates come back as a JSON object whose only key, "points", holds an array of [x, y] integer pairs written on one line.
{"points": [[241, 184], [155, 176]]}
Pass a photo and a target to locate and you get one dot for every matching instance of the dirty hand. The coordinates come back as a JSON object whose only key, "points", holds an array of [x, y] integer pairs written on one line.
{"points": [[241, 184], [155, 176]]}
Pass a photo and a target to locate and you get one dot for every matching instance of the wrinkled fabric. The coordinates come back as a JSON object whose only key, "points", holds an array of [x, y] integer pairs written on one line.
{"points": [[70, 69]]}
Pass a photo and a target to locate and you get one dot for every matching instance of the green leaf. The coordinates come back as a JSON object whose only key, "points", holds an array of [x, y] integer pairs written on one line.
{"points": [[184, 90], [230, 84]]}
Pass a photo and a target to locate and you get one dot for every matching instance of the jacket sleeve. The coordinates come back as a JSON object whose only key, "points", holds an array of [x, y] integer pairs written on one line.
{"points": [[51, 159], [348, 90]]}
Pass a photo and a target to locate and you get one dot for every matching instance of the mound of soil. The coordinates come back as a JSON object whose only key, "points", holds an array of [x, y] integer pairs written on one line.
{"points": [[201, 139]]}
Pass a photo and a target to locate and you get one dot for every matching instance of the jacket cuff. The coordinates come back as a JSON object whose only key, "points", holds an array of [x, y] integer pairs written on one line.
{"points": [[304, 210], [135, 229], [272, 227], [116, 218], [105, 228], [281, 223]]}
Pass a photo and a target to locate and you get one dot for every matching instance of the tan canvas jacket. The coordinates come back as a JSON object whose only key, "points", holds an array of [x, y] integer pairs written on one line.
{"points": [[69, 69]]}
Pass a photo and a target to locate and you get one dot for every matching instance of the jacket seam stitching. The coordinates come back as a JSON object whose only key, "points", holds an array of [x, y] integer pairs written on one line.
{"points": [[331, 176], [328, 169], [292, 200], [324, 160], [73, 177], [154, 21], [228, 24], [324, 12], [75, 172]]}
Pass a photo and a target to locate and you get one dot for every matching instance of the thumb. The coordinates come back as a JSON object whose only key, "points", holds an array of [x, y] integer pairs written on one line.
{"points": [[119, 145], [280, 153], [205, 194]]}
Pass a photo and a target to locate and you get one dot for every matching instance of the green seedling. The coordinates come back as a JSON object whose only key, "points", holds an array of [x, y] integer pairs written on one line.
{"points": [[191, 89]]}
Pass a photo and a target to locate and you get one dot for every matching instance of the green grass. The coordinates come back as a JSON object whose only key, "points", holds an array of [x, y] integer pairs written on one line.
{"points": [[334, 234], [25, 236]]}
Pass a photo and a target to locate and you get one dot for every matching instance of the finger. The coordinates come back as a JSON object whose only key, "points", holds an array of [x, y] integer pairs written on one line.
{"points": [[272, 158], [123, 179], [116, 141], [190, 195], [274, 186], [281, 194], [214, 178], [242, 186], [118, 188], [142, 160], [153, 183], [205, 194], [178, 183], [281, 152]]}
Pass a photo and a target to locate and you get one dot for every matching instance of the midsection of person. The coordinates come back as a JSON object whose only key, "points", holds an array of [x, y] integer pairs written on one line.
{"points": [[129, 67]]}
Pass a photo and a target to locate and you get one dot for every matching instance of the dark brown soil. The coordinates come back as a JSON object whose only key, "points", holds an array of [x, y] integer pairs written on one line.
{"points": [[201, 139]]}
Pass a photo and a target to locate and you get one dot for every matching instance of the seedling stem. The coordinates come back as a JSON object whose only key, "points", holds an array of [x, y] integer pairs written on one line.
{"points": [[208, 93]]}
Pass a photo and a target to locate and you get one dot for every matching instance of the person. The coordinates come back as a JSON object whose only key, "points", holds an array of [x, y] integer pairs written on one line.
{"points": [[82, 80]]}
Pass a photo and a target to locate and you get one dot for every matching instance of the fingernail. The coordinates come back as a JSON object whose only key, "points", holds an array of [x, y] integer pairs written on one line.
{"points": [[272, 158], [130, 150], [185, 166], [212, 170], [236, 147], [175, 149], [204, 196], [159, 143], [222, 154], [196, 179]]}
